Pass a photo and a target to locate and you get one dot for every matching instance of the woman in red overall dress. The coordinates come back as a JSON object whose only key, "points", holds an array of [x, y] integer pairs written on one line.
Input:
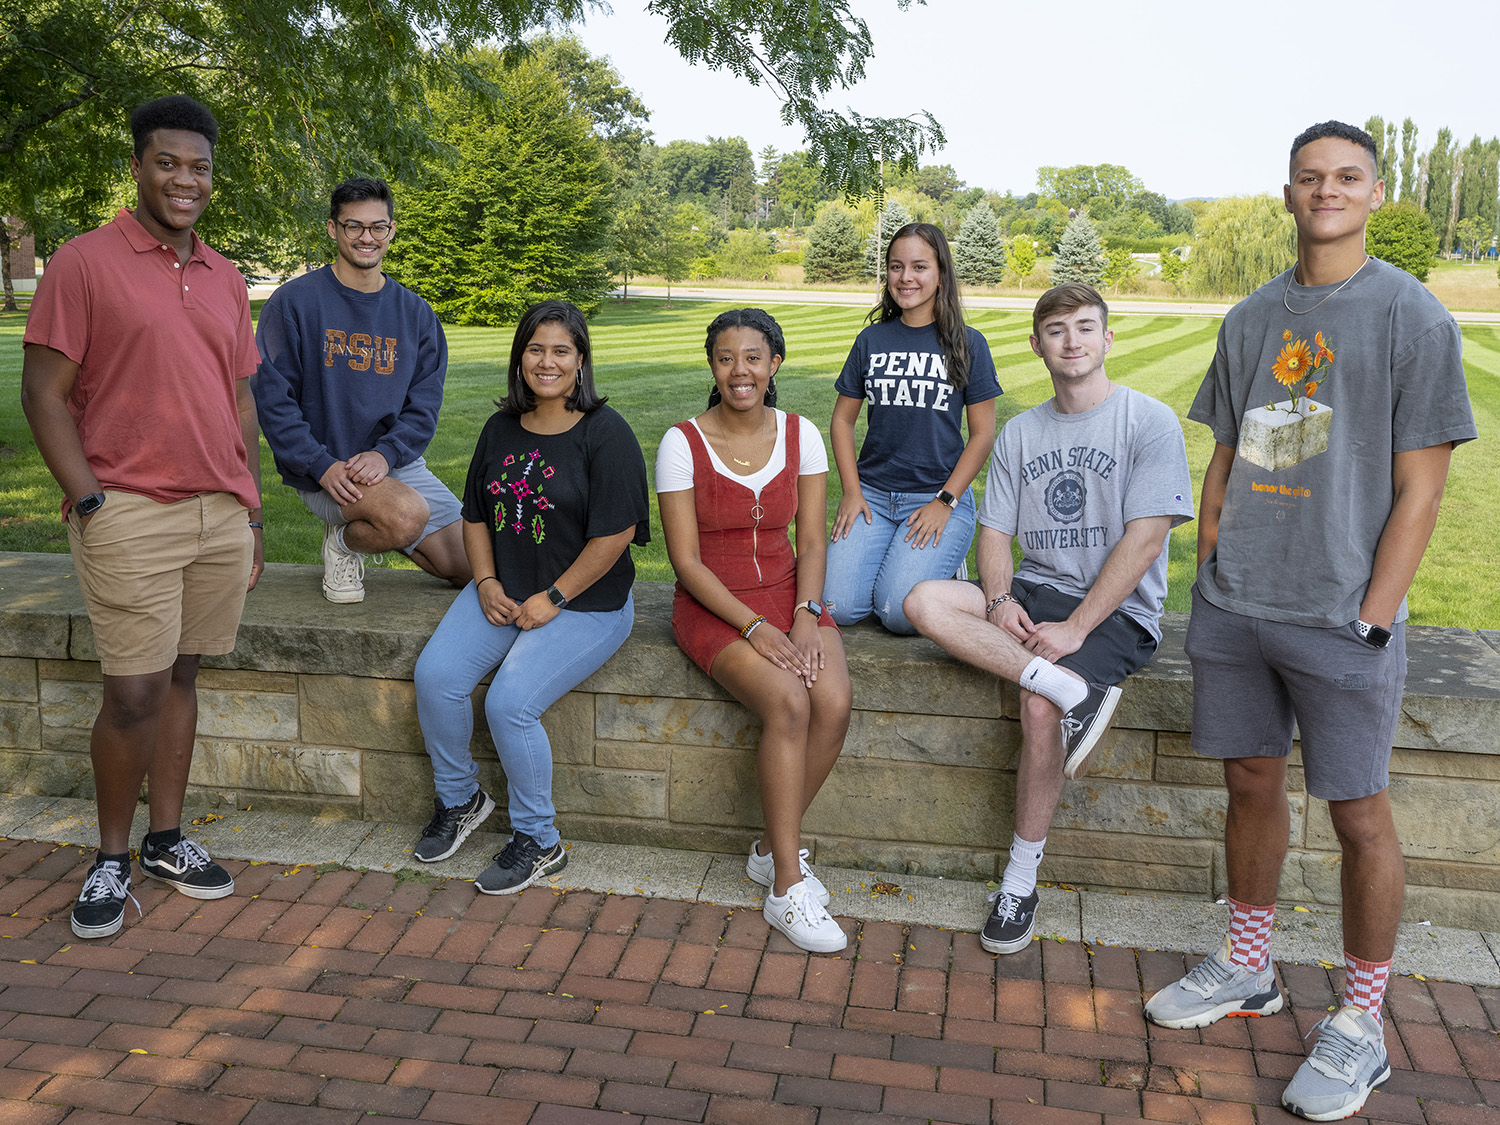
{"points": [[730, 482]]}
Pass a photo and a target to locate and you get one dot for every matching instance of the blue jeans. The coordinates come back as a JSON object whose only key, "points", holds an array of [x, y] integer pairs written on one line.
{"points": [[533, 669], [873, 568]]}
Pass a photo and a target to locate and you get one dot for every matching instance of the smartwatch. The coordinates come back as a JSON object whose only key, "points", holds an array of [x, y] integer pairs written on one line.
{"points": [[555, 596], [812, 607], [948, 498], [88, 505], [1372, 635]]}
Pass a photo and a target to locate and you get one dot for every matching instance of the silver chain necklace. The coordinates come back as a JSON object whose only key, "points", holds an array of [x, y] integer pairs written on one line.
{"points": [[1304, 312]]}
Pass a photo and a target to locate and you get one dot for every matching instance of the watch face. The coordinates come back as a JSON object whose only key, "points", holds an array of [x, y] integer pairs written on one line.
{"points": [[555, 596], [88, 505]]}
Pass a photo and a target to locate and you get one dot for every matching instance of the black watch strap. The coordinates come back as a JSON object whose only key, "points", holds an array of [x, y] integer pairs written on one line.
{"points": [[556, 597], [88, 505]]}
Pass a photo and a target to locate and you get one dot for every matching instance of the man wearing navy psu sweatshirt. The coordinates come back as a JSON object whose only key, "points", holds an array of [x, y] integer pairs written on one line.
{"points": [[348, 390]]}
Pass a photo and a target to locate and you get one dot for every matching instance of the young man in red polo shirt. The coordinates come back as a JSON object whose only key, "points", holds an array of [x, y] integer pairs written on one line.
{"points": [[139, 349]]}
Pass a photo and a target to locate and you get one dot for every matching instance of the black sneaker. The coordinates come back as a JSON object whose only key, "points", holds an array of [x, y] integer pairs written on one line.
{"points": [[100, 909], [522, 862], [450, 826], [186, 866], [1008, 928], [1084, 725]]}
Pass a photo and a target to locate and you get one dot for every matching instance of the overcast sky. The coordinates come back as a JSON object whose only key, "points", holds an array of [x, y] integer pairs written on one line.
{"points": [[1194, 98]]}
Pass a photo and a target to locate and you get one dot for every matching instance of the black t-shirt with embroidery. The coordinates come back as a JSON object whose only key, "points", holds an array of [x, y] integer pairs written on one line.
{"points": [[544, 496]]}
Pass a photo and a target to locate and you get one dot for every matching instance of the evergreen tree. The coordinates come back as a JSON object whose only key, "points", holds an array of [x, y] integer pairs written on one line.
{"points": [[1080, 254], [833, 252], [1400, 234], [892, 219], [1022, 259], [1408, 162], [979, 253], [522, 214]]}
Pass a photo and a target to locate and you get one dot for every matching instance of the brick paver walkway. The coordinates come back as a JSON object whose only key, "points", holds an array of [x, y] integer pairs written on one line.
{"points": [[333, 996]]}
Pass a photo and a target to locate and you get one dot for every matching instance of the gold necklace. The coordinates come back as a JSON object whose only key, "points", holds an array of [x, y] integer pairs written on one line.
{"points": [[724, 433], [1335, 293]]}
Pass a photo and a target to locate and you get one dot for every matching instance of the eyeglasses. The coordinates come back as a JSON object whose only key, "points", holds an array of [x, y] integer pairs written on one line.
{"points": [[380, 231]]}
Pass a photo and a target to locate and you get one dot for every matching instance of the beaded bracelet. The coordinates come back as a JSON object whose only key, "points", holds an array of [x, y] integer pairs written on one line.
{"points": [[1001, 600], [750, 626]]}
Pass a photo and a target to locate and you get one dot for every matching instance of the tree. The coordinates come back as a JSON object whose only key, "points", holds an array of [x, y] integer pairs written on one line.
{"points": [[686, 240], [1474, 236], [1375, 126], [1440, 182], [524, 212], [312, 92], [892, 219], [1022, 259], [1408, 162], [747, 254], [979, 253], [833, 250], [1119, 266], [1242, 242], [1080, 254], [1173, 270], [1400, 234], [638, 234], [801, 188], [937, 181], [1076, 187]]}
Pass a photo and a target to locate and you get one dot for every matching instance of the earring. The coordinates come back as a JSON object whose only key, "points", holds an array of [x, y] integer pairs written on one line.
{"points": [[771, 387], [578, 379]]}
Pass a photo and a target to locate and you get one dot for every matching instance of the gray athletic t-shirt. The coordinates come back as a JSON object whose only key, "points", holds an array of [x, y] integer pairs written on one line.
{"points": [[1066, 485], [1310, 489]]}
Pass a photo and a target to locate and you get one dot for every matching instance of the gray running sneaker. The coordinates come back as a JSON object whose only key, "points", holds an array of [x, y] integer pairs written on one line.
{"points": [[1348, 1062], [1214, 988]]}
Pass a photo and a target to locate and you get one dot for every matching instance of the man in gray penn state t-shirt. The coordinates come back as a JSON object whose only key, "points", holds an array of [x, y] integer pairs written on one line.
{"points": [[1090, 482], [1335, 397]]}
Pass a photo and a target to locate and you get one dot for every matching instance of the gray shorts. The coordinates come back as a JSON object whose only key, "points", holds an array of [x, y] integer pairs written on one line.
{"points": [[443, 507], [1115, 648], [1252, 679]]}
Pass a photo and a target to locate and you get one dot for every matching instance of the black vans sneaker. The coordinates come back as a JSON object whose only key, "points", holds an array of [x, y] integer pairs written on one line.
{"points": [[100, 909], [1011, 921], [1084, 725], [186, 866], [522, 862], [450, 826]]}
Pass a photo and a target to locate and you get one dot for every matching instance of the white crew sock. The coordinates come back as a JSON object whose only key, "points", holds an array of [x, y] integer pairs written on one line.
{"points": [[1020, 873], [1051, 682]]}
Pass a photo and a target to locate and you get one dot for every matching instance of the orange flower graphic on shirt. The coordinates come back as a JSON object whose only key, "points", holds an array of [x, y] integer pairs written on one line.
{"points": [[1297, 363]]}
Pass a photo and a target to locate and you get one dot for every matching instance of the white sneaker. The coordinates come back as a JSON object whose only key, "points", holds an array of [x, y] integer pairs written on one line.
{"points": [[801, 917], [762, 870], [343, 569]]}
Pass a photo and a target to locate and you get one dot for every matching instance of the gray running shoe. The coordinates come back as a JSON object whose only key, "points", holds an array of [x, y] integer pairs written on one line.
{"points": [[1214, 988], [1348, 1062], [519, 864], [450, 826]]}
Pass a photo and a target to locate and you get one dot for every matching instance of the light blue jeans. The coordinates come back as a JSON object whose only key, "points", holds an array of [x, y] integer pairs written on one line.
{"points": [[533, 669], [873, 568]]}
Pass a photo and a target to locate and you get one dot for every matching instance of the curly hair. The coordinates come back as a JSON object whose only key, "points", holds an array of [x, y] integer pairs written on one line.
{"points": [[1340, 131], [762, 322], [948, 310], [176, 111]]}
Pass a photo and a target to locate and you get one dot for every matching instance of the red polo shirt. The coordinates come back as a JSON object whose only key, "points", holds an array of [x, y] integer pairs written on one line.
{"points": [[159, 346]]}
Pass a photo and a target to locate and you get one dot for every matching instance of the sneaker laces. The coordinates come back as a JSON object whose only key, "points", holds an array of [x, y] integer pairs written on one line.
{"points": [[520, 851], [806, 904], [348, 568], [189, 853], [104, 883], [1336, 1054], [1007, 906], [1206, 976]]}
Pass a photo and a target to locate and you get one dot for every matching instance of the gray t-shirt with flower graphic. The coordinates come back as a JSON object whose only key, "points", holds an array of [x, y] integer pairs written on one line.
{"points": [[1316, 403]]}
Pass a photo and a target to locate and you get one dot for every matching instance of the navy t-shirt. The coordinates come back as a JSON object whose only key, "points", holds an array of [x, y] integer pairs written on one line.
{"points": [[544, 496], [915, 435]]}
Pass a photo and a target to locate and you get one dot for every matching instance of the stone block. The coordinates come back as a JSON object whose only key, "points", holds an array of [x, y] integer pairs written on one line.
{"points": [[1114, 874], [913, 675], [75, 671], [632, 756], [1452, 876], [275, 767], [21, 726], [653, 833], [1175, 745], [1123, 848], [909, 801], [665, 721], [907, 858], [1150, 809], [609, 792], [47, 774], [261, 801], [246, 680], [41, 597], [70, 703], [1308, 876], [938, 740], [260, 716], [1452, 697], [1446, 906], [1436, 819], [18, 679], [361, 712], [1276, 438], [569, 724], [398, 787], [1197, 770], [1436, 763]]}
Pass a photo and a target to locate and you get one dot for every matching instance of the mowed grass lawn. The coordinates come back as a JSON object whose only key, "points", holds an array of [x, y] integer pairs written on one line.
{"points": [[649, 359]]}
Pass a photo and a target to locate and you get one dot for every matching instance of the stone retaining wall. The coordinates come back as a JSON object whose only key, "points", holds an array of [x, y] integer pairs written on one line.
{"points": [[315, 712]]}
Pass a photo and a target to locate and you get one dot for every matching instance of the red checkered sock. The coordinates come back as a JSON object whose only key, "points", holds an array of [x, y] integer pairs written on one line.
{"points": [[1250, 934], [1364, 983]]}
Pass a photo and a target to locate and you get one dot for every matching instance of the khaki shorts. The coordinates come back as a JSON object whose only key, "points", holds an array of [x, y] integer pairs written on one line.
{"points": [[162, 580]]}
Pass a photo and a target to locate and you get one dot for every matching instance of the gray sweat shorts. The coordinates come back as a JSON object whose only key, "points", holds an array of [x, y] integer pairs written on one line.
{"points": [[443, 507], [1252, 679]]}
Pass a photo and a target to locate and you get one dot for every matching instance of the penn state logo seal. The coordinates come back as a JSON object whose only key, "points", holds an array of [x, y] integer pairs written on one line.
{"points": [[1064, 496]]}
